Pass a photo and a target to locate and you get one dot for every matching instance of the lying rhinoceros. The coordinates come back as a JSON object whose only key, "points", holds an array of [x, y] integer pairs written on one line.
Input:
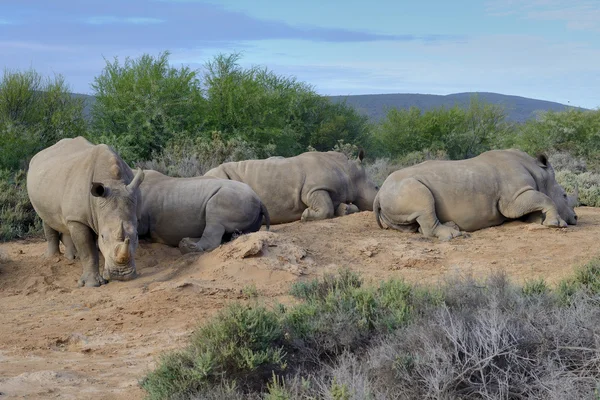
{"points": [[197, 213], [310, 186], [84, 194], [443, 197]]}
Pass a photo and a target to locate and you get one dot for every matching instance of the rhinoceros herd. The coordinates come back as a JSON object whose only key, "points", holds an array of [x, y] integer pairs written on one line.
{"points": [[90, 199]]}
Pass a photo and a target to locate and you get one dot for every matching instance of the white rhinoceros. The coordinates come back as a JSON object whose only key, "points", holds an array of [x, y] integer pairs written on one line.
{"points": [[310, 186], [443, 198], [86, 194], [197, 214]]}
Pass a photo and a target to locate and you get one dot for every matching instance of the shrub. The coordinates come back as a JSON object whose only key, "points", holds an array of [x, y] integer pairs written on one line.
{"points": [[461, 133], [35, 113], [467, 339], [143, 103], [379, 170], [186, 157], [587, 182], [17, 216]]}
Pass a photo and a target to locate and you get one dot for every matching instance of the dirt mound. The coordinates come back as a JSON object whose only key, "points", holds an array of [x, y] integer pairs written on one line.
{"points": [[59, 341]]}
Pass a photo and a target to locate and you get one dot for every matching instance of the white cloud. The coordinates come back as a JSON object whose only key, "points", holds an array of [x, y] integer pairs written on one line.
{"points": [[107, 19], [577, 15]]}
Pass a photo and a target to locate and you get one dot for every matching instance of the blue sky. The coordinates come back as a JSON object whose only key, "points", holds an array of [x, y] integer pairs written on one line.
{"points": [[546, 49]]}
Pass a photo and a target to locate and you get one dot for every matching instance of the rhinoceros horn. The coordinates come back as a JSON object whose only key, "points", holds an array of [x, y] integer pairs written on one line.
{"points": [[574, 199], [123, 252], [137, 180]]}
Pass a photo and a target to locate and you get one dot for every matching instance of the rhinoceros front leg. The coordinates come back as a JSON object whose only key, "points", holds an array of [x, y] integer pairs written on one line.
{"points": [[85, 242], [530, 201], [70, 251], [345, 209], [211, 239], [52, 238], [319, 205], [414, 202]]}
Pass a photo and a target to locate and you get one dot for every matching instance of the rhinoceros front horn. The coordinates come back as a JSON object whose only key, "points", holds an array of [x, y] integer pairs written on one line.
{"points": [[137, 180], [123, 252]]}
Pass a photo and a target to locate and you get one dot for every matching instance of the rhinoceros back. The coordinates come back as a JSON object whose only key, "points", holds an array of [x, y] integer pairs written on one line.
{"points": [[60, 177]]}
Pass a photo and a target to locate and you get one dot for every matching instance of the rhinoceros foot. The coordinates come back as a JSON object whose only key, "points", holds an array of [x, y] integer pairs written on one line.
{"points": [[91, 279], [345, 209], [556, 222], [187, 245], [447, 231]]}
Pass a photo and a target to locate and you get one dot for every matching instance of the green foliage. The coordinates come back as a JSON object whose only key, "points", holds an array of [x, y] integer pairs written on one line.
{"points": [[34, 114], [587, 182], [265, 109], [143, 103], [242, 342], [586, 280], [188, 157], [17, 216], [461, 133], [574, 131], [535, 287]]}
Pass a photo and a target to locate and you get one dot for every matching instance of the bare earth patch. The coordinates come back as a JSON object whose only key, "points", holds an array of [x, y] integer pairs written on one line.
{"points": [[59, 341]]}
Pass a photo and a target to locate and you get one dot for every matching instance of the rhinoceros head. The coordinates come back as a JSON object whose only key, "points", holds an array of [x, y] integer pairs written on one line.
{"points": [[116, 214], [565, 204], [365, 189]]}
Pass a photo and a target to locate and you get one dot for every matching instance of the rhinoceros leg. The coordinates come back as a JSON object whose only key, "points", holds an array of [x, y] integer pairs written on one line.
{"points": [[211, 239], [52, 238], [345, 209], [70, 251], [531, 201], [84, 240], [319, 205], [414, 202]]}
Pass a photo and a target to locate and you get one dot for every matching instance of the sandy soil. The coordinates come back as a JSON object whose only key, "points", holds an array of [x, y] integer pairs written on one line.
{"points": [[59, 341]]}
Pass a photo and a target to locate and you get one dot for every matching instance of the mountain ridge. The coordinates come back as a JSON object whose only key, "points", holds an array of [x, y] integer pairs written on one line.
{"points": [[375, 106]]}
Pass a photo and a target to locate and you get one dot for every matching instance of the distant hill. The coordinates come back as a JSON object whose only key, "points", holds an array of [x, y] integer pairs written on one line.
{"points": [[375, 106]]}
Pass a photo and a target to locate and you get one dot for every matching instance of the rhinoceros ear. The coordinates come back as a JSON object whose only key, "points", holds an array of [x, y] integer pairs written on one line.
{"points": [[361, 155], [542, 160], [98, 189]]}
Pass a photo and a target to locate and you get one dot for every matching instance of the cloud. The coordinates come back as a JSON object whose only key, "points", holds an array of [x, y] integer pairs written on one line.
{"points": [[104, 20], [577, 15], [6, 22]]}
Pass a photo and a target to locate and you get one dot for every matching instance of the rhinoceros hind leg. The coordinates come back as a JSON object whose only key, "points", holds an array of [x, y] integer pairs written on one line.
{"points": [[211, 239], [85, 242], [531, 201], [52, 238], [319, 205], [345, 209], [415, 203], [70, 251]]}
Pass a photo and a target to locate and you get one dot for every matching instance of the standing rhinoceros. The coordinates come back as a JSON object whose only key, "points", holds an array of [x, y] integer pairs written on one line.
{"points": [[84, 194], [310, 186], [438, 197], [197, 213]]}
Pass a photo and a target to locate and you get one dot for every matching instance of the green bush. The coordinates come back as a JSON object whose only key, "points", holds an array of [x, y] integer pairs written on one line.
{"points": [[461, 133], [587, 182], [275, 112], [17, 216], [143, 103], [35, 113], [188, 157], [574, 131]]}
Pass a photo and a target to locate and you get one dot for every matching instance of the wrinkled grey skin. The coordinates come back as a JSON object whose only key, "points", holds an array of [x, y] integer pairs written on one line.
{"points": [[87, 196], [443, 198], [311, 186], [196, 214]]}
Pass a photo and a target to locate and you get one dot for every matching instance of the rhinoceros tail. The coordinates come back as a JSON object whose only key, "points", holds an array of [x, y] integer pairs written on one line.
{"points": [[377, 210], [265, 215]]}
